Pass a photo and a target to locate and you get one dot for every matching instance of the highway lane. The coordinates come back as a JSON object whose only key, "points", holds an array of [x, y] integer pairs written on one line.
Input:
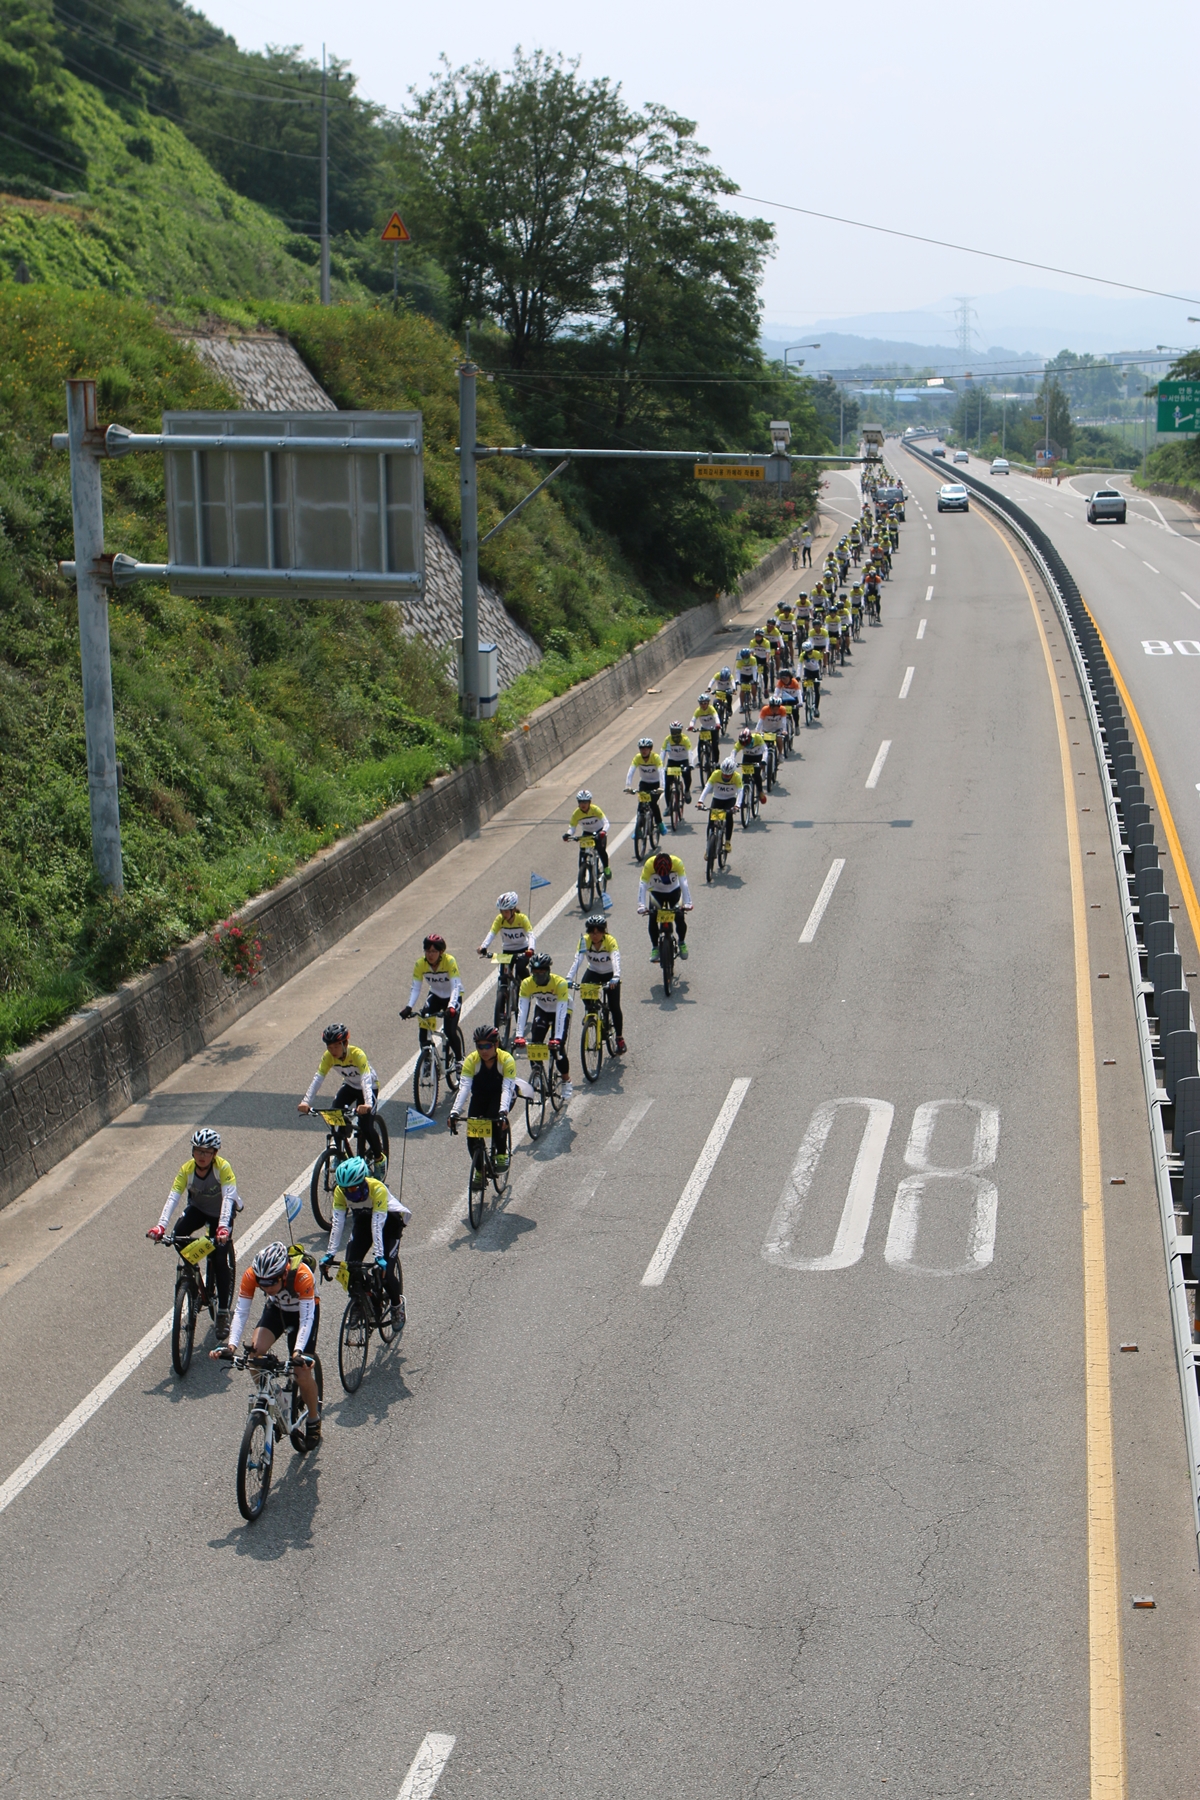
{"points": [[1142, 583], [774, 1526]]}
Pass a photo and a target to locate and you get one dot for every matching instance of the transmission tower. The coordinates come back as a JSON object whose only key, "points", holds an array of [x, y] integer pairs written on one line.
{"points": [[964, 330]]}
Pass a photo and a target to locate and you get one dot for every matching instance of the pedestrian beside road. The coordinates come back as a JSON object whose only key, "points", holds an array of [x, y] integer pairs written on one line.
{"points": [[806, 543]]}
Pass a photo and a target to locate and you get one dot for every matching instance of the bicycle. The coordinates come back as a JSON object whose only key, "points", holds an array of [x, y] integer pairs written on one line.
{"points": [[646, 831], [340, 1144], [276, 1409], [666, 946], [435, 1062], [810, 700], [675, 800], [504, 1013], [748, 804], [597, 1033], [192, 1294], [856, 614], [715, 849], [483, 1170], [746, 702], [545, 1078], [367, 1309], [706, 750], [589, 883], [724, 705], [772, 762], [873, 613]]}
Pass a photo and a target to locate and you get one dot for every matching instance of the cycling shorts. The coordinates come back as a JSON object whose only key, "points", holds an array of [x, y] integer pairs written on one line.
{"points": [[277, 1322]]}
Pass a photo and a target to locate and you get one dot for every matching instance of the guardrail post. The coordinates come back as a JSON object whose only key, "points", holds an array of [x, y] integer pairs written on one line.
{"points": [[87, 508]]}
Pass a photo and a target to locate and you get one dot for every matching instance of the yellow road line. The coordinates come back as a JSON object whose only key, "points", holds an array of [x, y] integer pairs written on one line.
{"points": [[1106, 1675], [1182, 872]]}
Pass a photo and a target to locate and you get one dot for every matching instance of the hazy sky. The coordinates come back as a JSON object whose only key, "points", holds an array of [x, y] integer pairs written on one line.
{"points": [[1064, 133]]}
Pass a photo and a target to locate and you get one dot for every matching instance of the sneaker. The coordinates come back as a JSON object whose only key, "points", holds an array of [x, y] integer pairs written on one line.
{"points": [[379, 1167], [608, 874], [654, 954], [683, 951], [620, 1046], [502, 1162], [399, 1314], [223, 1323], [567, 1090], [312, 1434]]}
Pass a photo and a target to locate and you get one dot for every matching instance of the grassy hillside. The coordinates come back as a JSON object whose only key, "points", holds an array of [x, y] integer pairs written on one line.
{"points": [[151, 217]]}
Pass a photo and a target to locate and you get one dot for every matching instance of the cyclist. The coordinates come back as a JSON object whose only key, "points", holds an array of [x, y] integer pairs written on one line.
{"points": [[208, 1188], [356, 1096], [438, 968], [706, 723], [856, 604], [774, 637], [761, 651], [789, 691], [293, 1308], [600, 960], [818, 637], [721, 688], [515, 932], [589, 821], [549, 998], [486, 1090], [786, 614], [773, 724], [724, 786], [678, 756], [377, 1223], [810, 672], [745, 664], [646, 775], [664, 885], [753, 752]]}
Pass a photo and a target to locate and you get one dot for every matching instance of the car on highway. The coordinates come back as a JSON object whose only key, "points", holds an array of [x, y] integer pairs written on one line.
{"points": [[999, 465], [962, 456], [938, 450], [893, 497], [1106, 503], [953, 497]]}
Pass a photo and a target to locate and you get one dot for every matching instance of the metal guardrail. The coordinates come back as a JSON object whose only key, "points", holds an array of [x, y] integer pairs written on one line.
{"points": [[1118, 767]]}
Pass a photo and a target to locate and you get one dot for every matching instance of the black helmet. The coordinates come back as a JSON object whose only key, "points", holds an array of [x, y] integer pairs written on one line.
{"points": [[333, 1034], [485, 1035], [595, 922], [540, 966]]}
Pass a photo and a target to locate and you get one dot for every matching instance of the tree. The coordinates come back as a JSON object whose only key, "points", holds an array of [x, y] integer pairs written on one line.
{"points": [[35, 110]]}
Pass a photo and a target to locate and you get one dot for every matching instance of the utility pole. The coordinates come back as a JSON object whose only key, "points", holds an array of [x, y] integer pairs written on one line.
{"points": [[469, 498], [1004, 423], [842, 430], [324, 181], [87, 507]]}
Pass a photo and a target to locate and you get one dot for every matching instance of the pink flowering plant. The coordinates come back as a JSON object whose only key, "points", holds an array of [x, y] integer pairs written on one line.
{"points": [[238, 954]]}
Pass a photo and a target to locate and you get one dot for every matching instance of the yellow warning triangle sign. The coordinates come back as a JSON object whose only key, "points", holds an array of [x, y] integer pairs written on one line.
{"points": [[395, 231]]}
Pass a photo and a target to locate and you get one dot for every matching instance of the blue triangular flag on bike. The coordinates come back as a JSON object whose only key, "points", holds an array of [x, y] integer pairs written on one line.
{"points": [[294, 1205], [537, 881], [417, 1121], [608, 900]]}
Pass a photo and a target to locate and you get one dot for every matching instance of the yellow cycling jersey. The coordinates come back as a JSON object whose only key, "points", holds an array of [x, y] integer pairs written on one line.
{"points": [[473, 1062], [224, 1174], [378, 1199], [706, 718], [593, 820], [661, 882], [677, 750], [442, 979], [547, 994]]}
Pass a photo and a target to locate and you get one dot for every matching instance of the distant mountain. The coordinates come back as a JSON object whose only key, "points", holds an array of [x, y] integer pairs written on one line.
{"points": [[841, 351]]}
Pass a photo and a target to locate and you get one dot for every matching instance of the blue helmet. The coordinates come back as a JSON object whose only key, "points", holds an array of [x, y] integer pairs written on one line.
{"points": [[352, 1173]]}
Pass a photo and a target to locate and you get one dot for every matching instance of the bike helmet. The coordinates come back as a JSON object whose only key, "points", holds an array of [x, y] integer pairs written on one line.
{"points": [[584, 797], [333, 1034], [745, 735], [771, 621], [271, 1261], [726, 674], [540, 966], [596, 922], [508, 902], [745, 650], [485, 1035], [435, 941], [352, 1173], [728, 766], [662, 863], [205, 1139], [646, 743], [676, 726]]}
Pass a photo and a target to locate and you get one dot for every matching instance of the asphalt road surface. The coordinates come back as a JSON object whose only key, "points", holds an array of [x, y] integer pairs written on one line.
{"points": [[806, 1516]]}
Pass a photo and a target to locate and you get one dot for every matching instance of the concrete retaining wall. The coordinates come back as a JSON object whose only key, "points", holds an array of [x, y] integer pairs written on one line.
{"points": [[56, 1094]]}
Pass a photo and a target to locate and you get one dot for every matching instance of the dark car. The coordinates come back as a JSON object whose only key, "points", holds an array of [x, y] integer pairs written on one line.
{"points": [[953, 497], [938, 450], [893, 498], [1106, 503]]}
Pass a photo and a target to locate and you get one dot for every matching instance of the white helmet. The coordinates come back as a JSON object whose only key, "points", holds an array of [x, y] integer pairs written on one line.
{"points": [[728, 765], [271, 1261], [584, 797], [508, 902]]}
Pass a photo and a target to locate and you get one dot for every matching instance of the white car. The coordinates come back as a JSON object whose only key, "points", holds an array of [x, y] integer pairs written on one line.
{"points": [[962, 456], [953, 497], [999, 465]]}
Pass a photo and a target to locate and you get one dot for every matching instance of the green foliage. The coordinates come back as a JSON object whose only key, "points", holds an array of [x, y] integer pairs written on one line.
{"points": [[250, 732], [1177, 463]]}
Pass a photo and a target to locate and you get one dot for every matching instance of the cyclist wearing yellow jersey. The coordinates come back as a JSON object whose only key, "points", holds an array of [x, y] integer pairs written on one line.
{"points": [[208, 1188], [377, 1221], [599, 959], [549, 998], [356, 1096], [515, 933], [761, 651], [724, 787], [678, 756], [752, 749], [438, 969], [664, 887], [588, 820], [486, 1090], [721, 689], [646, 775], [810, 672]]}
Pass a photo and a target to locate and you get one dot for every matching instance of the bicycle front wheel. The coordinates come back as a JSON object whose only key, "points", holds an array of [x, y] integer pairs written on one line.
{"points": [[710, 854], [255, 1461], [666, 960], [585, 886], [535, 1103], [354, 1340], [476, 1190], [183, 1327], [554, 1088], [591, 1047], [426, 1081], [640, 839], [320, 1189]]}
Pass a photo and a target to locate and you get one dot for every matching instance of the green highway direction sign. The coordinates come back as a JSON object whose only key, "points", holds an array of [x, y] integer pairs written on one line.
{"points": [[1179, 406]]}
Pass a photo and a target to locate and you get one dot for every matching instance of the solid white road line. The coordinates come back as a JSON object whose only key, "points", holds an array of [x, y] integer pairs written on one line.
{"points": [[628, 1125], [671, 1238], [822, 901], [74, 1422], [1190, 601], [427, 1766], [920, 631], [928, 594], [877, 766], [906, 683]]}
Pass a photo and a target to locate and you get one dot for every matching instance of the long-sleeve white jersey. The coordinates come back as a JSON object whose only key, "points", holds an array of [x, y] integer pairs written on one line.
{"points": [[587, 824], [604, 964], [726, 790], [215, 1194], [380, 1201], [445, 982], [555, 997], [654, 884]]}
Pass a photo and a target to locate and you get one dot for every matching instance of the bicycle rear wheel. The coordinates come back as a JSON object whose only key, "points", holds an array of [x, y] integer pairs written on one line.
{"points": [[255, 1461], [744, 806], [476, 1190], [320, 1189], [298, 1414], [585, 885], [183, 1326], [425, 1082], [710, 854], [535, 1104], [591, 1046], [555, 1088], [354, 1340], [666, 959], [640, 840]]}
